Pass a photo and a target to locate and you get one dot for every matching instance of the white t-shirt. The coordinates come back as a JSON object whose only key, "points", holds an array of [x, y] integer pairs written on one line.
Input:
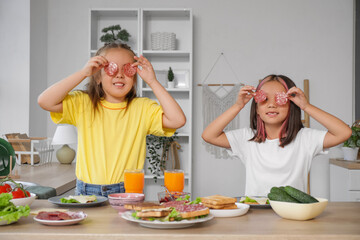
{"points": [[268, 165]]}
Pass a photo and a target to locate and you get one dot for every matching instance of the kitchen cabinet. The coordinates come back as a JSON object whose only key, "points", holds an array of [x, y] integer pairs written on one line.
{"points": [[141, 23], [344, 180]]}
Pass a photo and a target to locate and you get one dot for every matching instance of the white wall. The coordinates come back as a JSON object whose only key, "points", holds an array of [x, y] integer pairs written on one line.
{"points": [[38, 66], [14, 66], [310, 39]]}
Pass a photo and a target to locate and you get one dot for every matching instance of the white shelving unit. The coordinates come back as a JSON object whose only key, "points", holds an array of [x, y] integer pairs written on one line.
{"points": [[140, 23]]}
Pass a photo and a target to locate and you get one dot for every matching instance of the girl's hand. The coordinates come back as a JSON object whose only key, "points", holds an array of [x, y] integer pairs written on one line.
{"points": [[94, 65], [298, 97], [244, 95], [146, 72]]}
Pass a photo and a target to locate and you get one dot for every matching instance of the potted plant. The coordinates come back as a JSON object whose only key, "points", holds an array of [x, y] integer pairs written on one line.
{"points": [[170, 83], [156, 158], [114, 34], [351, 146]]}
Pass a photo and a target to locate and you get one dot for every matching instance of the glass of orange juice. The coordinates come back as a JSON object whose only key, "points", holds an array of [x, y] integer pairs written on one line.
{"points": [[174, 180], [134, 180]]}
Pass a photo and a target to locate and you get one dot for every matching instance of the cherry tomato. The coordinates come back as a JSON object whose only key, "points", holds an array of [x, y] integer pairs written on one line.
{"points": [[27, 194], [18, 193], [6, 188]]}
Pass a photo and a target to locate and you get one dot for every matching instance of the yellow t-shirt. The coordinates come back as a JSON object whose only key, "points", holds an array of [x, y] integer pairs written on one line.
{"points": [[115, 139]]}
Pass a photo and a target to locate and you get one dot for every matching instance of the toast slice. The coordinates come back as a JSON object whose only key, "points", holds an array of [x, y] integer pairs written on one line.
{"points": [[143, 205], [195, 213], [154, 213], [224, 206], [218, 200]]}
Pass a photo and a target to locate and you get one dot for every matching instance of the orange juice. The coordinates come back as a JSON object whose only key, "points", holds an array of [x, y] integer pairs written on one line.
{"points": [[174, 180], [134, 181]]}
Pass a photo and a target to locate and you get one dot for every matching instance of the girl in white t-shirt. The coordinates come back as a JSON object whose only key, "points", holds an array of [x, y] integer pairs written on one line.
{"points": [[276, 150]]}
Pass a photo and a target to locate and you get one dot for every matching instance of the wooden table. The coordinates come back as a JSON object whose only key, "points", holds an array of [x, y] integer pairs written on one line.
{"points": [[59, 176], [339, 221]]}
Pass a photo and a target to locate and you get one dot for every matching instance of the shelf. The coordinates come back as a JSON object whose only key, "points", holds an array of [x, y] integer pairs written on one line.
{"points": [[165, 53], [169, 89], [167, 12], [101, 18], [149, 176], [93, 52], [180, 134]]}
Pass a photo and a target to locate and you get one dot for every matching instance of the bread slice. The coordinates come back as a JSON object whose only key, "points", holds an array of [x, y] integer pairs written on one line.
{"points": [[154, 213], [195, 213], [224, 206], [218, 200], [143, 205]]}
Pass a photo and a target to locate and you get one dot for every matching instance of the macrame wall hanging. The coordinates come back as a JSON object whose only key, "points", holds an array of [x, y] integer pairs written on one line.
{"points": [[217, 98]]}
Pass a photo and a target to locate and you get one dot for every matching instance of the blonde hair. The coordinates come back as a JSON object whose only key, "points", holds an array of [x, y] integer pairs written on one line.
{"points": [[95, 90]]}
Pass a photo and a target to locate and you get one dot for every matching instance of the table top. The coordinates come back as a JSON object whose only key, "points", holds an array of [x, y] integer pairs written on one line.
{"points": [[59, 176], [340, 220], [351, 165]]}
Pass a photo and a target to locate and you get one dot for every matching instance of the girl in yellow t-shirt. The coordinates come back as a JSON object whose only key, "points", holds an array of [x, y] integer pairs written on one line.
{"points": [[112, 121]]}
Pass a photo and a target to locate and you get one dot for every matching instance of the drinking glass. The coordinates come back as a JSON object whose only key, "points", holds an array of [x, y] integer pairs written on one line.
{"points": [[174, 180], [134, 180]]}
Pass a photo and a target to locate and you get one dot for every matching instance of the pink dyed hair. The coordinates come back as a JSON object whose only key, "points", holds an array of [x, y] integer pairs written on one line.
{"points": [[260, 130]]}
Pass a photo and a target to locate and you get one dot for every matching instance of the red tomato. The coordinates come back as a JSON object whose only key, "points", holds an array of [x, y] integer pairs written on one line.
{"points": [[27, 194], [18, 193], [6, 188]]}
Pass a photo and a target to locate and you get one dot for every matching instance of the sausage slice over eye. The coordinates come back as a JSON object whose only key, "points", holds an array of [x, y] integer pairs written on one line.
{"points": [[111, 69], [129, 71], [260, 96], [281, 98]]}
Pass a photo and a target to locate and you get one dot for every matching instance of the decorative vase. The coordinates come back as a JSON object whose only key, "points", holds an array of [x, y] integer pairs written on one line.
{"points": [[171, 84], [65, 155], [350, 154]]}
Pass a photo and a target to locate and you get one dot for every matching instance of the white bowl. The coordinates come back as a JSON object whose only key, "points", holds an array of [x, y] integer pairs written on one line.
{"points": [[24, 201], [299, 211], [118, 200]]}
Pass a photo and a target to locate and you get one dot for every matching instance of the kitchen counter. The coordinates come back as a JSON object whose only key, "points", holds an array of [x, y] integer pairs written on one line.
{"points": [[345, 164], [339, 221], [59, 176]]}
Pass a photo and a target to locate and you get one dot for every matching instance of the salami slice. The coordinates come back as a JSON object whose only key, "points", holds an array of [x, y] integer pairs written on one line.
{"points": [[181, 206], [111, 69], [260, 96], [57, 215], [129, 71], [281, 98]]}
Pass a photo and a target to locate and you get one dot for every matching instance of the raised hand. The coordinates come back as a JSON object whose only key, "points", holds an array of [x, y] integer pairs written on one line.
{"points": [[146, 72], [244, 95], [298, 97], [93, 65]]}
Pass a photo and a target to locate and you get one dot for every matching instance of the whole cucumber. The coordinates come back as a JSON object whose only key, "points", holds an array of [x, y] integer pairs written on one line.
{"points": [[276, 190], [300, 195], [276, 194]]}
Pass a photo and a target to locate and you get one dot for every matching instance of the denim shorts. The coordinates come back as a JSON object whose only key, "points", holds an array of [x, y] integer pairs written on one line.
{"points": [[99, 190]]}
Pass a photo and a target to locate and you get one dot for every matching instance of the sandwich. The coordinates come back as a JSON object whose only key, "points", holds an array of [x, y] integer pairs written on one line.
{"points": [[169, 211], [219, 202]]}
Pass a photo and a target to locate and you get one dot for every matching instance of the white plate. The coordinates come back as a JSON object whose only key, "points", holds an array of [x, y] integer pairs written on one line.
{"points": [[81, 216], [57, 201], [240, 210], [166, 225]]}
